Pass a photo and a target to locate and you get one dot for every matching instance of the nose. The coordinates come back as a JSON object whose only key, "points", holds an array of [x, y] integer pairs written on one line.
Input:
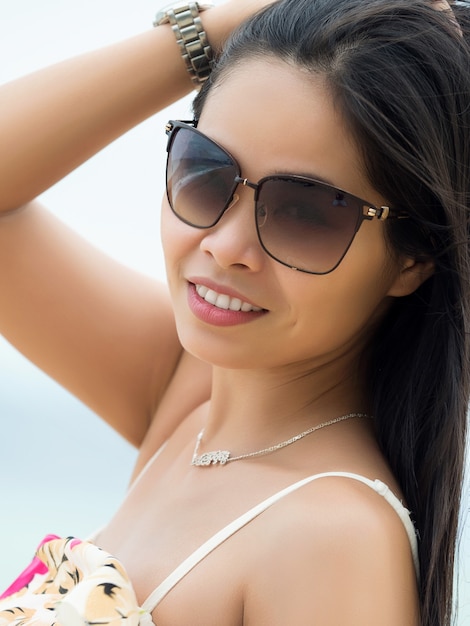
{"points": [[233, 241]]}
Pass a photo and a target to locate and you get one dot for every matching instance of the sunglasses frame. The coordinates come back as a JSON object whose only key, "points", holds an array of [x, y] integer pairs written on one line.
{"points": [[369, 210]]}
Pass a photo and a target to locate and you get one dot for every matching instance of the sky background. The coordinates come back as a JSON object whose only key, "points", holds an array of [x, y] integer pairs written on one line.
{"points": [[62, 470]]}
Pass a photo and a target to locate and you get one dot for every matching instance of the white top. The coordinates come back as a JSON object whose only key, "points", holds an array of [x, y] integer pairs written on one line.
{"points": [[198, 555]]}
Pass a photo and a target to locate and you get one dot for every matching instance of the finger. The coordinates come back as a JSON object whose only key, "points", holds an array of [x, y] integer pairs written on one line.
{"points": [[443, 5]]}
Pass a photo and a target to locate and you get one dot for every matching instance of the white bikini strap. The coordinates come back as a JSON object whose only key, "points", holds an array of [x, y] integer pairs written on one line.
{"points": [[216, 540]]}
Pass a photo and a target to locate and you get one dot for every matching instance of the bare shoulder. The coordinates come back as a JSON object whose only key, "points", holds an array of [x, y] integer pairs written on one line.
{"points": [[334, 552]]}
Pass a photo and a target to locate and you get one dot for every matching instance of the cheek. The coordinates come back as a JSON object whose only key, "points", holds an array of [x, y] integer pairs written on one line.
{"points": [[167, 223], [177, 238], [345, 305], [165, 226]]}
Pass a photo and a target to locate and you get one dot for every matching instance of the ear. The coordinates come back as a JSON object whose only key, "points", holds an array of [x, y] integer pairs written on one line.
{"points": [[411, 275]]}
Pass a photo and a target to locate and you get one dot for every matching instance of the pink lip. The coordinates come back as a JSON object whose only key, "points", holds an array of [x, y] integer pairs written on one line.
{"points": [[213, 315]]}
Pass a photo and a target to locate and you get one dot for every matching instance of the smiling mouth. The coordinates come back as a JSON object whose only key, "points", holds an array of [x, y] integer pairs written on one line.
{"points": [[223, 301]]}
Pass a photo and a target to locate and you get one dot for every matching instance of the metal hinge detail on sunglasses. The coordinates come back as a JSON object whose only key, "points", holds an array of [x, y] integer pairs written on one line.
{"points": [[384, 212], [380, 213]]}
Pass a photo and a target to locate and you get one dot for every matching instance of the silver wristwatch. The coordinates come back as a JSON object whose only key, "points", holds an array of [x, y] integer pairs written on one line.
{"points": [[190, 37]]}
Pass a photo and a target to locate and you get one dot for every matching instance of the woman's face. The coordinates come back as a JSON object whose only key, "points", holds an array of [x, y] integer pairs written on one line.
{"points": [[274, 118]]}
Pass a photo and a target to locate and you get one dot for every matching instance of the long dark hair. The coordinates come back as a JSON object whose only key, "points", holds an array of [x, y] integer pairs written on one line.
{"points": [[399, 71]]}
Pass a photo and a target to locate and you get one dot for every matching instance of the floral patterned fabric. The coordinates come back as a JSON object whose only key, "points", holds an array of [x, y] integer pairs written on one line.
{"points": [[72, 583]]}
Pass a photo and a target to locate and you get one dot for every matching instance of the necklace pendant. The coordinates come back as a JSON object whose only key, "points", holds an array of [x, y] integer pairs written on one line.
{"points": [[211, 458]]}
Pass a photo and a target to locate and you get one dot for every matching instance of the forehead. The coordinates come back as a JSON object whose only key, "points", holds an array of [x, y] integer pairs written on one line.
{"points": [[274, 117]]}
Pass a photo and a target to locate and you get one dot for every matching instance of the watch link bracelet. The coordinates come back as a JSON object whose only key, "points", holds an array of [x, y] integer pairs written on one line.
{"points": [[190, 37]]}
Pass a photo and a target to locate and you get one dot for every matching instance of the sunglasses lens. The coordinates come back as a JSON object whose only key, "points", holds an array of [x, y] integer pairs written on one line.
{"points": [[199, 178], [304, 224]]}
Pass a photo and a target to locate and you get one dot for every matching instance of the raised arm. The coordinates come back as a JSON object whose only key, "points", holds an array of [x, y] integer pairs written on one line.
{"points": [[102, 331]]}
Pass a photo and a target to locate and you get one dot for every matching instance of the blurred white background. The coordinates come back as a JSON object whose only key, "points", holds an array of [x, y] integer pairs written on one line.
{"points": [[62, 470]]}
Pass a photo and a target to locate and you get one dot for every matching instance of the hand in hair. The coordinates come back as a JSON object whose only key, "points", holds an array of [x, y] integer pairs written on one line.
{"points": [[443, 5], [220, 21]]}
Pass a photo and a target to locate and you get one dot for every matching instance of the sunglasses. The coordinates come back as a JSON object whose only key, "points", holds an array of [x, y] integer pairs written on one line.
{"points": [[302, 223]]}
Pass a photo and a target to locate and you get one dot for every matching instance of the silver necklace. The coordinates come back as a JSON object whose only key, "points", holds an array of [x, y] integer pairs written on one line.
{"points": [[224, 456]]}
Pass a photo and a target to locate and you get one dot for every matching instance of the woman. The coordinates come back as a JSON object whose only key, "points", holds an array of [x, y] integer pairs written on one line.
{"points": [[315, 236]]}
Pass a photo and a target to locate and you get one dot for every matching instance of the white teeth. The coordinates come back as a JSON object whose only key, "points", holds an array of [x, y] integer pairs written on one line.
{"points": [[211, 296], [235, 304], [222, 301]]}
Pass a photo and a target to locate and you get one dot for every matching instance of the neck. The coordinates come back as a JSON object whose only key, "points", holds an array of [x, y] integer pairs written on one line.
{"points": [[252, 409]]}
